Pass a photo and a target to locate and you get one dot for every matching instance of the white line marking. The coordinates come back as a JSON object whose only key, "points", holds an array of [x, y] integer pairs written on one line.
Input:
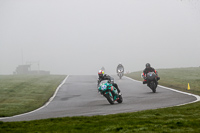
{"points": [[186, 93], [43, 105]]}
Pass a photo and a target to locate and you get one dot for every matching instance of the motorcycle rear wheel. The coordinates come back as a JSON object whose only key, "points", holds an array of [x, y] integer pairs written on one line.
{"points": [[120, 99]]}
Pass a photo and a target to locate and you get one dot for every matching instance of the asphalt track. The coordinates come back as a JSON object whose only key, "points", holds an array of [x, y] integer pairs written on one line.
{"points": [[78, 96]]}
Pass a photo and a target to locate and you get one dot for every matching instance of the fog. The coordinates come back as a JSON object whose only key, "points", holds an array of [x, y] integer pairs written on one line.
{"points": [[81, 36]]}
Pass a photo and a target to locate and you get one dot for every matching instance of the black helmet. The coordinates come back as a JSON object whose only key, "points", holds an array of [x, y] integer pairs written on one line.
{"points": [[148, 65]]}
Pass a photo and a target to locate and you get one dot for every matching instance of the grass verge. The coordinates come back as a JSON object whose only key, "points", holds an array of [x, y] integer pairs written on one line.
{"points": [[180, 119], [24, 93]]}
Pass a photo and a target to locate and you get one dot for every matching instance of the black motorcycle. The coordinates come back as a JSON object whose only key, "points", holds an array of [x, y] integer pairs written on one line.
{"points": [[152, 81]]}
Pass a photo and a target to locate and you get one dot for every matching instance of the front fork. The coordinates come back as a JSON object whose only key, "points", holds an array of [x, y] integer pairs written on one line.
{"points": [[155, 80], [111, 94]]}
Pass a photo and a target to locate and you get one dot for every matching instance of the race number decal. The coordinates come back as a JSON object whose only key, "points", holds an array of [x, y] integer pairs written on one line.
{"points": [[103, 87]]}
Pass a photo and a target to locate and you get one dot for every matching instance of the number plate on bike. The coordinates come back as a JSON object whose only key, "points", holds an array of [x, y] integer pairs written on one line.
{"points": [[103, 87]]}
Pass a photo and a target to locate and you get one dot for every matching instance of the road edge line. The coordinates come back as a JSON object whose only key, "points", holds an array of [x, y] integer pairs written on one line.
{"points": [[186, 93]]}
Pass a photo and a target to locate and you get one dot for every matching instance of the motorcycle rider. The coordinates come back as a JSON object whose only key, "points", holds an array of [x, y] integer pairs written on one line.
{"points": [[103, 68], [103, 76], [120, 66], [147, 70]]}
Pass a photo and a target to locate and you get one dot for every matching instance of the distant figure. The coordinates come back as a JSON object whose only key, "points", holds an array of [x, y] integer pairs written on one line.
{"points": [[103, 69], [120, 70]]}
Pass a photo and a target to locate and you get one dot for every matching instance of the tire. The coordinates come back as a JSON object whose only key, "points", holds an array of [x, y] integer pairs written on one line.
{"points": [[153, 86], [120, 100], [120, 75], [154, 90], [109, 98]]}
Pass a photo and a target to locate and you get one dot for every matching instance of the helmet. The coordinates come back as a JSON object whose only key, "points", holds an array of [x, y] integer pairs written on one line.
{"points": [[101, 73], [148, 65]]}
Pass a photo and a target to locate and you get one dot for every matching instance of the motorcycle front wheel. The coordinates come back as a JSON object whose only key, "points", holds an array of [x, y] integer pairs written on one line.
{"points": [[153, 86], [109, 98]]}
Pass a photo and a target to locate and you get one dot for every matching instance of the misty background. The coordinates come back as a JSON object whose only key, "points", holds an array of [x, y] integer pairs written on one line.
{"points": [[81, 36]]}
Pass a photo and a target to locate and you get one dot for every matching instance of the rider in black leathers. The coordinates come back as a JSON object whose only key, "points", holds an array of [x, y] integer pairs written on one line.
{"points": [[147, 70], [103, 76]]}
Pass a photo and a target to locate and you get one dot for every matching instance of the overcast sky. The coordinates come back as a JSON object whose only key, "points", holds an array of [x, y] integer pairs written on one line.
{"points": [[81, 36]]}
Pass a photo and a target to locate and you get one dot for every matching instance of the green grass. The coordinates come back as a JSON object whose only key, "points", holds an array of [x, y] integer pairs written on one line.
{"points": [[174, 119], [23, 93], [181, 119]]}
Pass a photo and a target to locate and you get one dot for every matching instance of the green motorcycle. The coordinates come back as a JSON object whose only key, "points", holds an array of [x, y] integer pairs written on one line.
{"points": [[110, 93]]}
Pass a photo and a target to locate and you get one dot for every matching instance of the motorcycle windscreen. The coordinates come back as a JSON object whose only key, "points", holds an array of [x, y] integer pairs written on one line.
{"points": [[151, 75], [120, 69], [103, 82]]}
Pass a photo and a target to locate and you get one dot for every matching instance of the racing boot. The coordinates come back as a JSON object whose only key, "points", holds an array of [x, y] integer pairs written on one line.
{"points": [[145, 81], [116, 86]]}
